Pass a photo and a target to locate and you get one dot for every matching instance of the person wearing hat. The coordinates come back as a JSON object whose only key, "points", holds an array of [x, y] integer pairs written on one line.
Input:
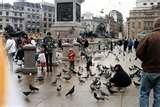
{"points": [[148, 52], [71, 59]]}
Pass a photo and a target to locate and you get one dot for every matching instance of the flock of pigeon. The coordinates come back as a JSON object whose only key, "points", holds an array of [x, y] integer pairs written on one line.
{"points": [[103, 73]]}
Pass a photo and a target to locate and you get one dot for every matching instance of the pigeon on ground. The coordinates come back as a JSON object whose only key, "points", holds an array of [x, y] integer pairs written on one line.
{"points": [[59, 88], [26, 93], [54, 82], [32, 88], [97, 97], [59, 75], [71, 91]]}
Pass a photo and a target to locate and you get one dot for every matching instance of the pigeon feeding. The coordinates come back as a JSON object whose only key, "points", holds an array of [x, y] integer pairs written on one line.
{"points": [[71, 91], [98, 97], [27, 93], [32, 88], [54, 82], [59, 75]]}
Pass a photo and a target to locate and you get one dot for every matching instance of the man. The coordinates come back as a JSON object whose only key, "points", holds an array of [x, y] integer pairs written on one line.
{"points": [[148, 52], [48, 46], [71, 58]]}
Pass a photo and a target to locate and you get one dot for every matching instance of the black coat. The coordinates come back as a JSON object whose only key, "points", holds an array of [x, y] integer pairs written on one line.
{"points": [[121, 79]]}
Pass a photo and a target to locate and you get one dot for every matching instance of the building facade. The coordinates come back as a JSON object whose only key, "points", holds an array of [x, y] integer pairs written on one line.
{"points": [[140, 20], [29, 17], [10, 15]]}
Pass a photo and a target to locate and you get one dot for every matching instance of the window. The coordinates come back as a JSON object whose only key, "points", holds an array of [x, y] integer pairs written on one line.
{"points": [[45, 19], [151, 3], [29, 9], [21, 20], [139, 24], [33, 10], [133, 25], [50, 25], [29, 16], [20, 14], [144, 3], [45, 30], [37, 17], [7, 13], [1, 27], [0, 13], [45, 24], [49, 15], [45, 14], [49, 19], [37, 10], [21, 26], [0, 19], [7, 20]]}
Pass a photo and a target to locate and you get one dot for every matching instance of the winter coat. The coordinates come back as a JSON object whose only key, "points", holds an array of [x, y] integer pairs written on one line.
{"points": [[148, 50]]}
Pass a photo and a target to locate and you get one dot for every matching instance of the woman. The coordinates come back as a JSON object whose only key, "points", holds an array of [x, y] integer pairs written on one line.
{"points": [[121, 78]]}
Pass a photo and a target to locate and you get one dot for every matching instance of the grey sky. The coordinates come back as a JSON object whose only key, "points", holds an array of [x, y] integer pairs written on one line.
{"points": [[94, 6]]}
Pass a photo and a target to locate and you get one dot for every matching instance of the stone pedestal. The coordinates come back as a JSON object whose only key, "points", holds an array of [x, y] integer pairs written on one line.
{"points": [[29, 60], [67, 19]]}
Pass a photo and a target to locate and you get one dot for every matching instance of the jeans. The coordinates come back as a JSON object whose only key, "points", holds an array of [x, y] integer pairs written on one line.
{"points": [[149, 81]]}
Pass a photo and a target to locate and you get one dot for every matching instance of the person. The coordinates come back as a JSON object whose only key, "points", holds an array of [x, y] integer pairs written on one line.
{"points": [[48, 45], [10, 46], [42, 59], [130, 44], [136, 42], [99, 45], [33, 42], [88, 63], [60, 44], [125, 44], [71, 58], [120, 79], [148, 52]]}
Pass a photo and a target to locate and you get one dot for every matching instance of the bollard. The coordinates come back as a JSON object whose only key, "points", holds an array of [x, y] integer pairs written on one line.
{"points": [[29, 60]]}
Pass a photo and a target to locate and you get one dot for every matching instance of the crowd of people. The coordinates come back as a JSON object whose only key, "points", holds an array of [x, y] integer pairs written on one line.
{"points": [[147, 51]]}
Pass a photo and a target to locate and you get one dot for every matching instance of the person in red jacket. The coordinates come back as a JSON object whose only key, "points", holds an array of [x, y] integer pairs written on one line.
{"points": [[71, 58]]}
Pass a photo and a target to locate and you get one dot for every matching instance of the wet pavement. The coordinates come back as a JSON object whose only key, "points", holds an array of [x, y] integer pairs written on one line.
{"points": [[47, 96]]}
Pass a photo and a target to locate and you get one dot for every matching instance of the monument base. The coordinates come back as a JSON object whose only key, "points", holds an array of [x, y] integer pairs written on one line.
{"points": [[66, 30]]}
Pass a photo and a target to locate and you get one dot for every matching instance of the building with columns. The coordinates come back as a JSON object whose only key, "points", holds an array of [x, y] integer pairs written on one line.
{"points": [[141, 18]]}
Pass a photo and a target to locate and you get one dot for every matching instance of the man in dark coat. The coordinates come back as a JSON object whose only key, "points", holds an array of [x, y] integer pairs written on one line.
{"points": [[48, 45]]}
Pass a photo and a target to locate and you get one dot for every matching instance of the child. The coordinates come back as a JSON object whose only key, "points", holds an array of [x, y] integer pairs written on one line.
{"points": [[42, 59]]}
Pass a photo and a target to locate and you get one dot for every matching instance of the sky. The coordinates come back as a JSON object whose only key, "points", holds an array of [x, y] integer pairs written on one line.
{"points": [[95, 6]]}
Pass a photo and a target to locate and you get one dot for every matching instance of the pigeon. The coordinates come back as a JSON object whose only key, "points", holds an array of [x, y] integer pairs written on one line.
{"points": [[86, 76], [81, 80], [70, 92], [59, 88], [26, 93], [136, 84], [79, 74], [98, 98], [111, 91], [59, 75], [103, 93], [32, 88], [67, 77], [54, 82], [65, 71], [19, 77], [92, 87]]}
